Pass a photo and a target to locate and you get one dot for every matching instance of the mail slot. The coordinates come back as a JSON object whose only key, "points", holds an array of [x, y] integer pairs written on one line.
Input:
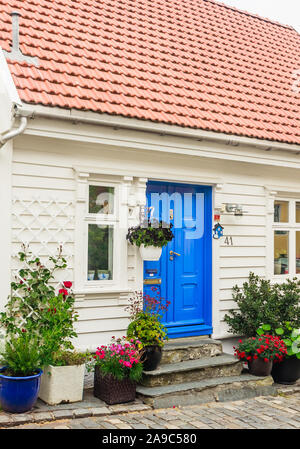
{"points": [[152, 281]]}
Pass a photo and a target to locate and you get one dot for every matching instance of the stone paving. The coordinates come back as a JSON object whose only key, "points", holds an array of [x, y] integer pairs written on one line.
{"points": [[269, 412]]}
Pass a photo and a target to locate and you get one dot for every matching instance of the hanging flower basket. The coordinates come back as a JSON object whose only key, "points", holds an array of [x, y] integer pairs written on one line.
{"points": [[150, 237], [150, 253]]}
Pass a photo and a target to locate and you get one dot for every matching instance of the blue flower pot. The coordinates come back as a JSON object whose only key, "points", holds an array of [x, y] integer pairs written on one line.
{"points": [[19, 394]]}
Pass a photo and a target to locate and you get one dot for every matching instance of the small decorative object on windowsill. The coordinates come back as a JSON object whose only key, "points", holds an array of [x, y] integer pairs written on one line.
{"points": [[288, 371], [117, 370], [260, 353], [146, 313], [150, 237]]}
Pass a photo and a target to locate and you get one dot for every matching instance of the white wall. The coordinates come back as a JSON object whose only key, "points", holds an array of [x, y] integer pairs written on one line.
{"points": [[43, 170]]}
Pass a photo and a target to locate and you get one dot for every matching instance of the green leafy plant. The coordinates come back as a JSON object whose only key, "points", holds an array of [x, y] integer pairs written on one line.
{"points": [[145, 314], [120, 359], [150, 233], [291, 338], [266, 347], [70, 358], [22, 356], [34, 306], [259, 302]]}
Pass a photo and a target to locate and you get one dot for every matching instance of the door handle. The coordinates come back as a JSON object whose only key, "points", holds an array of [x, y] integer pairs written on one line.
{"points": [[175, 254], [172, 254]]}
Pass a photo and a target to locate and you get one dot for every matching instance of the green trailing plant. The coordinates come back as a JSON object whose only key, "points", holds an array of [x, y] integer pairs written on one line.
{"points": [[22, 356], [35, 307], [120, 359], [146, 313], [259, 302], [150, 233]]}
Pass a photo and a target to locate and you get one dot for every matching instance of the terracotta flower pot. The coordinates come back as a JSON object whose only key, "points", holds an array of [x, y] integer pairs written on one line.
{"points": [[259, 367]]}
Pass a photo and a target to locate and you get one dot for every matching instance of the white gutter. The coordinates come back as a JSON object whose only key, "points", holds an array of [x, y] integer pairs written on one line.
{"points": [[118, 122], [13, 132]]}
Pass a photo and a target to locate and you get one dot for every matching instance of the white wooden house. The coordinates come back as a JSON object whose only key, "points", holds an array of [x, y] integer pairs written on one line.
{"points": [[122, 98]]}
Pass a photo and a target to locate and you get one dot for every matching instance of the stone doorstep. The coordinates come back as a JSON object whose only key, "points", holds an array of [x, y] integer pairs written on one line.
{"points": [[192, 348], [13, 420], [220, 389], [193, 370]]}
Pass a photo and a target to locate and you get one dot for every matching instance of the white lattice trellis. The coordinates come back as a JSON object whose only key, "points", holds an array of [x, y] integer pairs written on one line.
{"points": [[44, 225]]}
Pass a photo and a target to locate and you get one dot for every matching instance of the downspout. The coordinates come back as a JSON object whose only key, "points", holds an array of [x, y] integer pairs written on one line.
{"points": [[13, 132]]}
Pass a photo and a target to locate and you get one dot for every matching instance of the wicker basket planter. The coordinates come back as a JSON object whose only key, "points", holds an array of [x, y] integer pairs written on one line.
{"points": [[113, 391]]}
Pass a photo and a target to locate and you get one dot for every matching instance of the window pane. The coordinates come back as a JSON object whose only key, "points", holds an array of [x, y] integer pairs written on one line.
{"points": [[281, 211], [297, 212], [100, 252], [101, 200], [281, 252], [298, 252]]}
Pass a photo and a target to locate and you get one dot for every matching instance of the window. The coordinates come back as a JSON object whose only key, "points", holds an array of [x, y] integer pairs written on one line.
{"points": [[286, 237], [101, 223]]}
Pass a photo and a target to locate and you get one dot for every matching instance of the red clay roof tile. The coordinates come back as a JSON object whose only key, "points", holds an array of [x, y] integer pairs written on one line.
{"points": [[197, 63]]}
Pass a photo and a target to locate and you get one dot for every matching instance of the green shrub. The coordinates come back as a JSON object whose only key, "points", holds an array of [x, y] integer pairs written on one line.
{"points": [[261, 302], [21, 356]]}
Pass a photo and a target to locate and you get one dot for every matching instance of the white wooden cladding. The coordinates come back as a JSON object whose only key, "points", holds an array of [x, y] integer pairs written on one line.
{"points": [[46, 200]]}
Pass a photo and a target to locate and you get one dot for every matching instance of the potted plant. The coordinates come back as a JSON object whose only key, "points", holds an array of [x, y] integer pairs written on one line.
{"points": [[259, 301], [288, 371], [62, 381], [117, 370], [20, 376], [49, 316], [150, 237], [260, 352], [146, 313]]}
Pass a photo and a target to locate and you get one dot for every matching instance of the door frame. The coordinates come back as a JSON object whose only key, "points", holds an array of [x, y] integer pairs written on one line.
{"points": [[207, 328]]}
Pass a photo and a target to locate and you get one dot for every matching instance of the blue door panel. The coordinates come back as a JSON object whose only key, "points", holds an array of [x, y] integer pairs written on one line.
{"points": [[186, 280]]}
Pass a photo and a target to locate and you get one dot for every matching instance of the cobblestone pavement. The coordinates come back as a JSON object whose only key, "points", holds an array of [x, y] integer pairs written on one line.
{"points": [[280, 412]]}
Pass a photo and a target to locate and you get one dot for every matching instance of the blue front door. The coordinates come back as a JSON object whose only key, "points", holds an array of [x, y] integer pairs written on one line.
{"points": [[183, 275]]}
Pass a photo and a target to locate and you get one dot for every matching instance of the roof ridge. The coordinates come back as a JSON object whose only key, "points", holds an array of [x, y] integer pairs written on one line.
{"points": [[248, 13]]}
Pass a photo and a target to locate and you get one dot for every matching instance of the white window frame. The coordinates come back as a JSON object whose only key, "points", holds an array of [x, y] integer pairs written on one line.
{"points": [[105, 220], [291, 227]]}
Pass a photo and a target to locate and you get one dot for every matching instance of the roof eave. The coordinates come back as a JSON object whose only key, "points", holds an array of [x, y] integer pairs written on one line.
{"points": [[119, 122]]}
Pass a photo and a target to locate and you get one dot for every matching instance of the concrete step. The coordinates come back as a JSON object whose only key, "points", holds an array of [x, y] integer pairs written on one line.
{"points": [[221, 389], [192, 370], [183, 349]]}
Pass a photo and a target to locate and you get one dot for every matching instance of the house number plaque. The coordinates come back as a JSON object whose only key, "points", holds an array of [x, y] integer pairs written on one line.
{"points": [[228, 240]]}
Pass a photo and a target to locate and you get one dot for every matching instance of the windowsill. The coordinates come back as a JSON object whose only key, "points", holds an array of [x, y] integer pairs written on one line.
{"points": [[101, 290]]}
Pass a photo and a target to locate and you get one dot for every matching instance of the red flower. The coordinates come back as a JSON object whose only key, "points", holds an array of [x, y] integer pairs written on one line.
{"points": [[63, 292], [68, 284], [24, 330], [266, 360]]}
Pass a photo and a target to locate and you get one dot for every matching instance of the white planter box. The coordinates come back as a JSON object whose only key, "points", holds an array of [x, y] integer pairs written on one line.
{"points": [[152, 253], [62, 384]]}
